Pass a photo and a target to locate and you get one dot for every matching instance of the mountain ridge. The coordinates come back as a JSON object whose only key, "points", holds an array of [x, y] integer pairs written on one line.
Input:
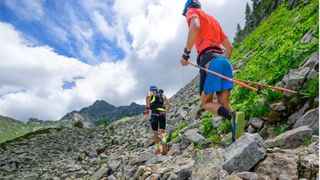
{"points": [[102, 112]]}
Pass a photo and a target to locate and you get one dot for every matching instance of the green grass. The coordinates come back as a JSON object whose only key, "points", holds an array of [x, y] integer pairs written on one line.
{"points": [[279, 130], [276, 48], [307, 141], [11, 129], [214, 136], [312, 89], [175, 134]]}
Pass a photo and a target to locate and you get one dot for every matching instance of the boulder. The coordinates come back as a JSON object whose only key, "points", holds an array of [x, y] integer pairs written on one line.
{"points": [[311, 61], [103, 171], [208, 163], [251, 129], [183, 172], [297, 115], [308, 166], [142, 158], [244, 153], [290, 139], [247, 175], [148, 142], [256, 122], [296, 77], [175, 150], [293, 3], [278, 166], [278, 107], [310, 119], [192, 135], [232, 177], [217, 121], [308, 37]]}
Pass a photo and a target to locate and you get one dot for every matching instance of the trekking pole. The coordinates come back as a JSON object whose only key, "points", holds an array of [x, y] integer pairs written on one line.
{"points": [[268, 86], [258, 91]]}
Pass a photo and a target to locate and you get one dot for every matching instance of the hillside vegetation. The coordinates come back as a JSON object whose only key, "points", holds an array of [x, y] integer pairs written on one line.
{"points": [[11, 129], [271, 50]]}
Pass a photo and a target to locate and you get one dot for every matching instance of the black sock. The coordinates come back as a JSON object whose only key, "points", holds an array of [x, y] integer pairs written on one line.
{"points": [[224, 113]]}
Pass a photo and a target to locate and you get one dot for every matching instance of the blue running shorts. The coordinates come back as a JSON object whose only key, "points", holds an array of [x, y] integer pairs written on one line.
{"points": [[213, 83]]}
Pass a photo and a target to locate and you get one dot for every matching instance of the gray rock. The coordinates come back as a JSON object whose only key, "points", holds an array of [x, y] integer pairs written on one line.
{"points": [[251, 129], [114, 164], [278, 107], [139, 172], [312, 74], [290, 139], [312, 61], [278, 166], [308, 165], [308, 37], [297, 115], [195, 125], [244, 153], [247, 175], [217, 121], [175, 150], [142, 158], [149, 141], [256, 122], [104, 171], [296, 77], [293, 3], [310, 119], [111, 177], [208, 163], [158, 159], [232, 177], [183, 172], [192, 135], [153, 177], [193, 113]]}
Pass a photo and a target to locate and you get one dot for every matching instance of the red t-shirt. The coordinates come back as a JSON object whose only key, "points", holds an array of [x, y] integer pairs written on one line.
{"points": [[211, 33]]}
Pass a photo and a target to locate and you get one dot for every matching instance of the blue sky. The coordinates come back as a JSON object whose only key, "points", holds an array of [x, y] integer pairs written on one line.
{"points": [[57, 56], [53, 24]]}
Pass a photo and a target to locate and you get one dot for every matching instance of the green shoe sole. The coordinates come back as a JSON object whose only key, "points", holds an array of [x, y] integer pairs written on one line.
{"points": [[240, 120]]}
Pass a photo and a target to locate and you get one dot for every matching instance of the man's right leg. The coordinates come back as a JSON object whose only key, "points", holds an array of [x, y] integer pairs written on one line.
{"points": [[208, 105]]}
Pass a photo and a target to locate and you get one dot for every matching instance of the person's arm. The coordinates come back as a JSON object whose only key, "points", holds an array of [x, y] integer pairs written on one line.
{"points": [[168, 104], [147, 110], [229, 48], [193, 34]]}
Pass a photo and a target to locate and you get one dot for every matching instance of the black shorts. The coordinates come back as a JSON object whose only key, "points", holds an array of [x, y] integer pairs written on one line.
{"points": [[158, 120]]}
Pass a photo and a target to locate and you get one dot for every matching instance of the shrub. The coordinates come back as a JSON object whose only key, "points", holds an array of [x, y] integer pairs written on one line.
{"points": [[78, 124]]}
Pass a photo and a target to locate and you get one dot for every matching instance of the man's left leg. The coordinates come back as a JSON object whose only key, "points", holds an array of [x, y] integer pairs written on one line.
{"points": [[162, 124]]}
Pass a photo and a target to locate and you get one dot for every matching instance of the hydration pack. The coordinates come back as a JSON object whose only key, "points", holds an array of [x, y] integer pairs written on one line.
{"points": [[157, 101]]}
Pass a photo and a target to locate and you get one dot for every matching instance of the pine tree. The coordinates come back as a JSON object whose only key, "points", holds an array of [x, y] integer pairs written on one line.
{"points": [[238, 28], [254, 5], [248, 12], [238, 33]]}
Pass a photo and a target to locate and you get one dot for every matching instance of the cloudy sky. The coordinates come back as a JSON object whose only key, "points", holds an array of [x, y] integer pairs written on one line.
{"points": [[57, 55]]}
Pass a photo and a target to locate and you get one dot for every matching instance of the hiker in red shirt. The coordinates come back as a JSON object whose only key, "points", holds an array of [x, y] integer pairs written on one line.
{"points": [[207, 35]]}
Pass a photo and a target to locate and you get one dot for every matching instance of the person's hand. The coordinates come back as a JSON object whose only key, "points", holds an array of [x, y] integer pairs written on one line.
{"points": [[146, 112], [184, 62], [185, 57]]}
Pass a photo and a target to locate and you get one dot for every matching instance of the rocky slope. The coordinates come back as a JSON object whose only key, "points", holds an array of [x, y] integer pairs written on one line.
{"points": [[101, 112]]}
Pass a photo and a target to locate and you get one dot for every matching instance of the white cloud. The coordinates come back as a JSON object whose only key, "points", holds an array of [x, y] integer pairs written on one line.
{"points": [[31, 80], [31, 77]]}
